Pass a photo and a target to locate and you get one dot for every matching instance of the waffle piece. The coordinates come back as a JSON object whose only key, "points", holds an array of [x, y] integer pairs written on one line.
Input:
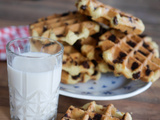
{"points": [[57, 20], [75, 63], [92, 111], [133, 56], [81, 77], [110, 16], [88, 48], [68, 28]]}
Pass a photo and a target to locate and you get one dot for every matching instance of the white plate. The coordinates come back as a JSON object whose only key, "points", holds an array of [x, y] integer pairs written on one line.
{"points": [[108, 87]]}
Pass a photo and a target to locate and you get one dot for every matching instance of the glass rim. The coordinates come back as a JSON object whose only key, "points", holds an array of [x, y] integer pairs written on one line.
{"points": [[55, 54]]}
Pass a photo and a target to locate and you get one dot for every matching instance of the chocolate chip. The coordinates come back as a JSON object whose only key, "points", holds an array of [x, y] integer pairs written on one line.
{"points": [[75, 63], [76, 76], [151, 51], [115, 61], [130, 50], [94, 62], [130, 19], [134, 28], [66, 23], [71, 108], [137, 58], [95, 73], [148, 71], [71, 60], [60, 35], [98, 49], [132, 44], [112, 38], [142, 53], [83, 7], [89, 118], [45, 18], [78, 45], [44, 28], [136, 75], [120, 59], [76, 32], [48, 44], [64, 62], [97, 117], [125, 32], [115, 21], [66, 115], [135, 52], [122, 54], [145, 45], [85, 64], [100, 55], [142, 35], [111, 67], [65, 14], [134, 66], [95, 8]]}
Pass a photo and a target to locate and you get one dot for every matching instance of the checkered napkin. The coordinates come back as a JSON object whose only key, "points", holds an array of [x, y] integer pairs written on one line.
{"points": [[10, 33]]}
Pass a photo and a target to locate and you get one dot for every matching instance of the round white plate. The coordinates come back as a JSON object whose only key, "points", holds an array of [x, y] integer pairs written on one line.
{"points": [[108, 87]]}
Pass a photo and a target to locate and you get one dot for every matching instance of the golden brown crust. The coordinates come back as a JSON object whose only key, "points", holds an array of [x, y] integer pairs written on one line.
{"points": [[133, 56], [91, 111], [68, 28], [110, 16]]}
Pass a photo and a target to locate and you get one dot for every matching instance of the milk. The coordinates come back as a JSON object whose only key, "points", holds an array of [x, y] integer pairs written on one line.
{"points": [[33, 86]]}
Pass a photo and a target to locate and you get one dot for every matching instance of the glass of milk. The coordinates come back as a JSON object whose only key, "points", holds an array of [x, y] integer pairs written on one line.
{"points": [[34, 72]]}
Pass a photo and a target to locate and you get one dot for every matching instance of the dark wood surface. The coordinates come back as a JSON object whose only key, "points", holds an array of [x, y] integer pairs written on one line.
{"points": [[145, 106]]}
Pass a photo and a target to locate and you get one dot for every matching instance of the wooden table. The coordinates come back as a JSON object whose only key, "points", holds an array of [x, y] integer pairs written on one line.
{"points": [[145, 106]]}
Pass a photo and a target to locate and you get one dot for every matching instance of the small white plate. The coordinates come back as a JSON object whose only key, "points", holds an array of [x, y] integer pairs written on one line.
{"points": [[108, 87]]}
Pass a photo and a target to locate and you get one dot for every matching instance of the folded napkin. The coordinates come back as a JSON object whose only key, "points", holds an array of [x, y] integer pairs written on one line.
{"points": [[10, 33]]}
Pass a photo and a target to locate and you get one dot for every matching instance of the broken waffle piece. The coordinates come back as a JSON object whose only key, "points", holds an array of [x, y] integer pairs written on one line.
{"points": [[75, 63], [88, 48], [80, 78], [93, 111], [133, 56], [110, 16], [68, 28]]}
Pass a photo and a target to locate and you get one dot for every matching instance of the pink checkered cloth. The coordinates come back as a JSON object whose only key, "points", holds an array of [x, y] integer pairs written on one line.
{"points": [[10, 33]]}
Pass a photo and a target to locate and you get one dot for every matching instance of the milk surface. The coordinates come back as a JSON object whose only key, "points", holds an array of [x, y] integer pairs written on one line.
{"points": [[34, 85]]}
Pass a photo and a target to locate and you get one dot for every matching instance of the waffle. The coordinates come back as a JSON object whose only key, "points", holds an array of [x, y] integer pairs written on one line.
{"points": [[81, 77], [68, 28], [110, 16], [135, 57], [92, 111], [75, 63], [88, 48]]}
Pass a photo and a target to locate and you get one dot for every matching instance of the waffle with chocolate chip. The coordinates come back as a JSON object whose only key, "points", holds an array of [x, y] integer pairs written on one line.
{"points": [[136, 57], [67, 27], [80, 78], [110, 16], [75, 63], [88, 48], [93, 111]]}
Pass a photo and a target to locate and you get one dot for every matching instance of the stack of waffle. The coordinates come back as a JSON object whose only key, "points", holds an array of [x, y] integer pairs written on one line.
{"points": [[91, 48]]}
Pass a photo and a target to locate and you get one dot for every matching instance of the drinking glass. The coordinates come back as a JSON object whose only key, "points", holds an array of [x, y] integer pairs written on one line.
{"points": [[34, 67]]}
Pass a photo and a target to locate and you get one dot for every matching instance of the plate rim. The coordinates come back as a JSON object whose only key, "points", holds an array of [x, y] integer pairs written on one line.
{"points": [[114, 97]]}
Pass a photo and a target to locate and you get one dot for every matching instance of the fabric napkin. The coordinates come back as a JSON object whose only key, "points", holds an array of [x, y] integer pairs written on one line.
{"points": [[10, 33]]}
